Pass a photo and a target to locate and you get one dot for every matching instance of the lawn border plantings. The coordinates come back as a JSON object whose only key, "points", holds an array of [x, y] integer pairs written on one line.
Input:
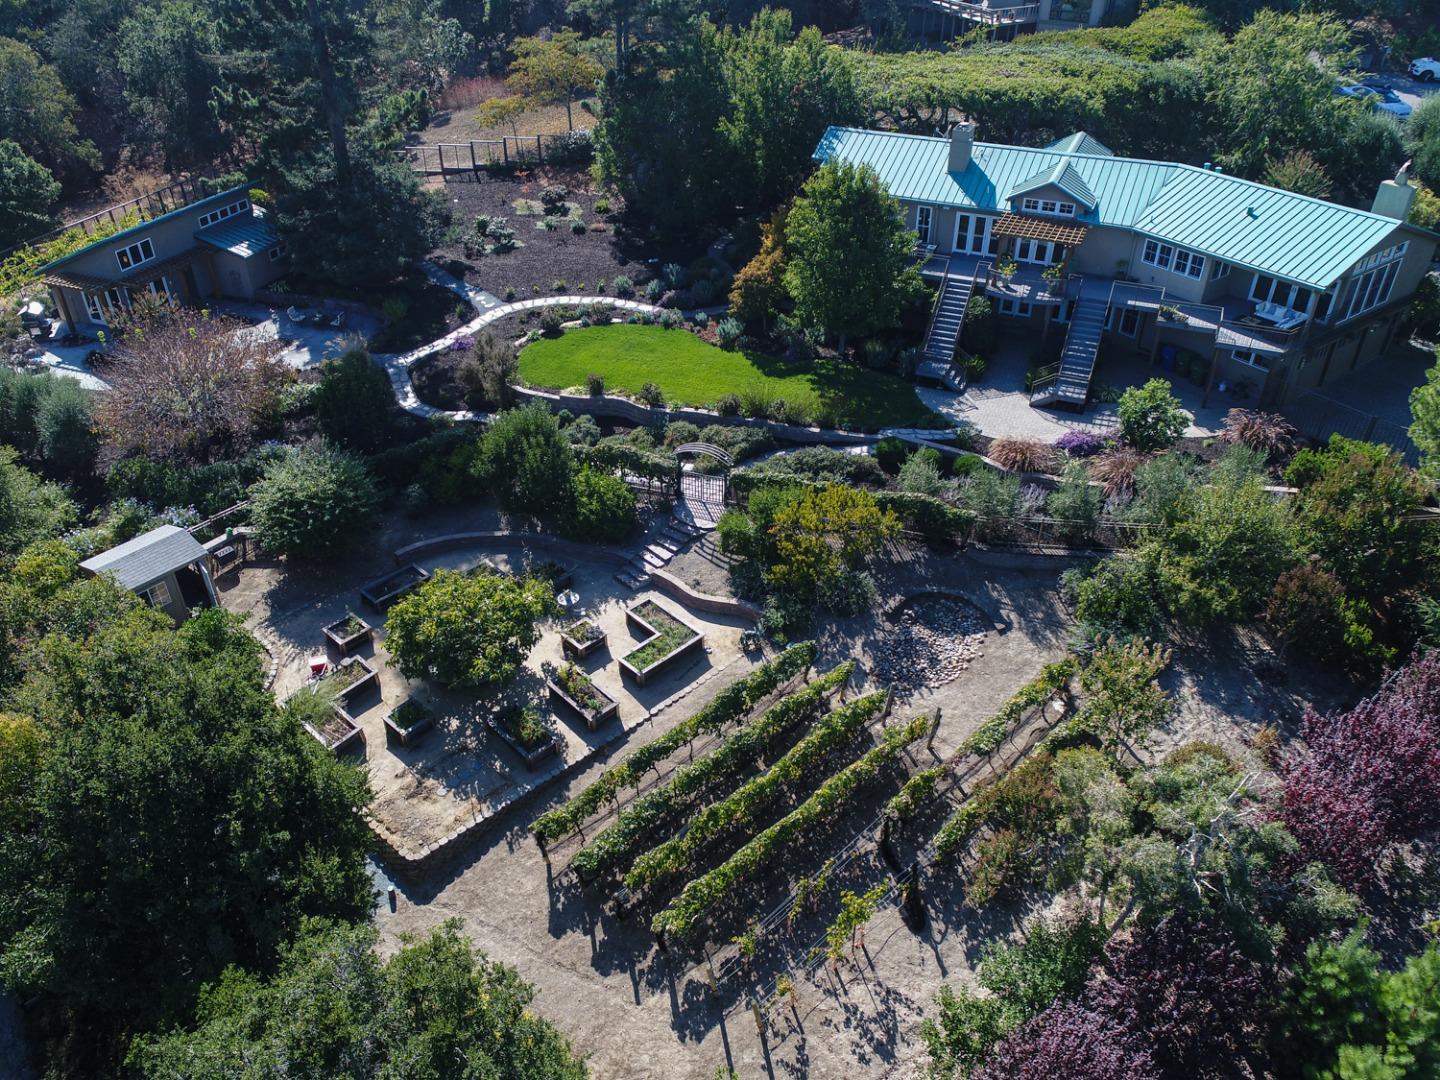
{"points": [[702, 894], [671, 637], [729, 704], [648, 815]]}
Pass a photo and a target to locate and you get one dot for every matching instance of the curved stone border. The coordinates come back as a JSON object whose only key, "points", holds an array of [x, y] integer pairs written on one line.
{"points": [[673, 587], [511, 540]]}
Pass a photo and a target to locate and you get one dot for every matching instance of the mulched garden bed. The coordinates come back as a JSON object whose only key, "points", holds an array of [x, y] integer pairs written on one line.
{"points": [[581, 261]]}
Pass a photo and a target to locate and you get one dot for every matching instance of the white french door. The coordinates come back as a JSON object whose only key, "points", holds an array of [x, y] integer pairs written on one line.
{"points": [[972, 234]]}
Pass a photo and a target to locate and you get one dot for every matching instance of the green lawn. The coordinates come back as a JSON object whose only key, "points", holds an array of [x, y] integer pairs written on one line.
{"points": [[693, 372]]}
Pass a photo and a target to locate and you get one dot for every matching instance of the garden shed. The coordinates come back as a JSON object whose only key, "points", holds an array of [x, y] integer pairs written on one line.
{"points": [[166, 566]]}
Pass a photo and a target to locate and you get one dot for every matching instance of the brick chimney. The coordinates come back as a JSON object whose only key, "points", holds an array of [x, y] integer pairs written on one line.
{"points": [[962, 141], [1393, 199]]}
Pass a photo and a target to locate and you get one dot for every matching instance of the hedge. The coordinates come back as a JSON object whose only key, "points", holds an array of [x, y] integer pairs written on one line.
{"points": [[832, 797], [729, 704], [933, 518], [657, 465], [644, 818]]}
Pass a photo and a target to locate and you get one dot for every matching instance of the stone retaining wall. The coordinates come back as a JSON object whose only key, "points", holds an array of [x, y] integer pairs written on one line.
{"points": [[673, 587], [509, 541]]}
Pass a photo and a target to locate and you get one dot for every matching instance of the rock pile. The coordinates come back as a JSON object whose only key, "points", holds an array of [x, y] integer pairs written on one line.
{"points": [[932, 643]]}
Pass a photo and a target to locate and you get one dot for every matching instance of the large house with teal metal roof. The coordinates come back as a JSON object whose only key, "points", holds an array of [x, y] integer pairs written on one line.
{"points": [[1242, 287], [221, 245]]}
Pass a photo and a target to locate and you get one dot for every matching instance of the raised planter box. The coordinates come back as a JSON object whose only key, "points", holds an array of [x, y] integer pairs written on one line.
{"points": [[351, 678], [339, 733], [532, 756], [342, 633], [408, 721], [380, 595], [668, 638], [595, 712], [580, 639]]}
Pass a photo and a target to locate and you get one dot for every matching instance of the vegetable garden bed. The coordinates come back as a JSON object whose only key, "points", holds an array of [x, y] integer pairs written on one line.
{"points": [[573, 687], [670, 638], [381, 594], [349, 633], [351, 678], [580, 639], [408, 721], [525, 733]]}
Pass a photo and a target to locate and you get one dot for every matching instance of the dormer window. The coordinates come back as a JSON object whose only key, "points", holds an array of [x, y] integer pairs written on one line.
{"points": [[135, 254], [220, 213], [1048, 206]]}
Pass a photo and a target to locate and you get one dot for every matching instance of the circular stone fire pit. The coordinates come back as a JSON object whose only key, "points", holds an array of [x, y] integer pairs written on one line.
{"points": [[932, 641]]}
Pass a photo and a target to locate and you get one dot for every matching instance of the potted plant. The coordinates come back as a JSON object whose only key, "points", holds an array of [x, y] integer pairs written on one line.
{"points": [[408, 721], [580, 639], [1053, 275], [1006, 268], [1171, 313], [349, 633]]}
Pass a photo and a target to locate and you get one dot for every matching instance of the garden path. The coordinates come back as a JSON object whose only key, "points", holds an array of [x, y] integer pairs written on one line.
{"points": [[492, 309]]}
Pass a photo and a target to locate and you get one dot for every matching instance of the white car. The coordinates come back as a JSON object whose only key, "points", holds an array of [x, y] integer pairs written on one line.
{"points": [[1379, 98], [1426, 69]]}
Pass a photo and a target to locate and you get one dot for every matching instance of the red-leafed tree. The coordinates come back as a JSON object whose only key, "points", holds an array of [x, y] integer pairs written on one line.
{"points": [[1371, 777], [1068, 1040], [1186, 989]]}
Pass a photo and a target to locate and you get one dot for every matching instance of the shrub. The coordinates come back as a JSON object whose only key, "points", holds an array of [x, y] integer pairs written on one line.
{"points": [[525, 460], [994, 499], [310, 500], [891, 453], [602, 507], [1151, 417], [553, 198], [728, 332], [354, 399], [1075, 502], [1116, 598], [728, 404], [652, 395], [672, 320], [702, 293], [488, 372], [622, 287], [979, 332], [1116, 471], [595, 384], [502, 236], [551, 321], [789, 412], [1022, 455], [921, 474], [584, 431], [1081, 444], [654, 290], [1269, 433], [974, 367]]}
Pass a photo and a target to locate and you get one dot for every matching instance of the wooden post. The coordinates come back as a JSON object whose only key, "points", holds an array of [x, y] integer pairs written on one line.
{"points": [[934, 728], [539, 151], [505, 148], [473, 165]]}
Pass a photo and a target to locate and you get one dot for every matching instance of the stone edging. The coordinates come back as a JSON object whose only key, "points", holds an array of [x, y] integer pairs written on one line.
{"points": [[714, 605]]}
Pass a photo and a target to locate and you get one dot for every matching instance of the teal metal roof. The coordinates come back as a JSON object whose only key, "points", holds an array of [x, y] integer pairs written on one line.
{"points": [[1063, 176], [193, 208], [245, 235], [1081, 143], [1248, 224]]}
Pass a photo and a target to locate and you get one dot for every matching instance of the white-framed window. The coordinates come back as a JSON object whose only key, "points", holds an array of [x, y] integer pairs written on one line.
{"points": [[1222, 270], [220, 213], [1270, 290], [1018, 308], [1251, 358], [1043, 253], [95, 307], [1129, 322], [1157, 254], [1189, 264], [1369, 290], [157, 595], [1375, 258], [142, 251], [923, 216], [276, 253], [1048, 206]]}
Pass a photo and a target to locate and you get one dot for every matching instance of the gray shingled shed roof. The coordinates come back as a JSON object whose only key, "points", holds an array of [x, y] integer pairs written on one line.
{"points": [[148, 558]]}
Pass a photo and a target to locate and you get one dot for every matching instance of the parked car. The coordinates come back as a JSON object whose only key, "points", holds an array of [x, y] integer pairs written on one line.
{"points": [[1426, 69], [1381, 98]]}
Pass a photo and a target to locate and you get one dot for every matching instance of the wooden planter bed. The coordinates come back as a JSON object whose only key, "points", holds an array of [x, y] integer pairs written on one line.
{"points": [[351, 678], [523, 731], [573, 687], [338, 732], [349, 633], [580, 639], [669, 638], [381, 594], [408, 721]]}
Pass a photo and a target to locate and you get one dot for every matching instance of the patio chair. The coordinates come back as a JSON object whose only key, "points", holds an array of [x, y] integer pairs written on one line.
{"points": [[295, 314], [338, 321]]}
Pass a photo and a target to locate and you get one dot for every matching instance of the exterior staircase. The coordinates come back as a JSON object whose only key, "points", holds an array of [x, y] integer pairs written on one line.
{"points": [[1068, 382], [937, 360], [658, 551]]}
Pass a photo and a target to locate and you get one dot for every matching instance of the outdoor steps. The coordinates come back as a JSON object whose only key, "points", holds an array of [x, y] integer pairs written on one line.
{"points": [[944, 333], [1077, 358], [658, 551]]}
